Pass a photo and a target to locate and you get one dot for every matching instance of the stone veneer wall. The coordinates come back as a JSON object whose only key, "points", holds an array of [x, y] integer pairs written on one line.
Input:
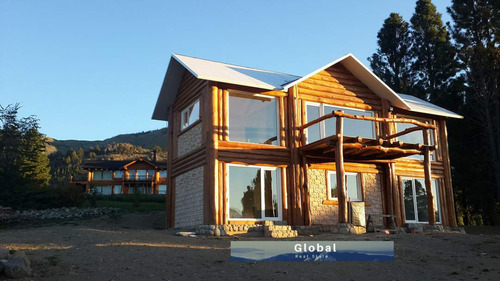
{"points": [[189, 140], [320, 213], [373, 193], [328, 214], [189, 198]]}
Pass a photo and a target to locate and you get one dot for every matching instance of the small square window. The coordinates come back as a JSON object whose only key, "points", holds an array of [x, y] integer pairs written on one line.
{"points": [[190, 114], [352, 185]]}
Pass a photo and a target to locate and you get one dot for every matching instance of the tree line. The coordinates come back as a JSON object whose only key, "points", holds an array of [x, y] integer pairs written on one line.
{"points": [[456, 66]]}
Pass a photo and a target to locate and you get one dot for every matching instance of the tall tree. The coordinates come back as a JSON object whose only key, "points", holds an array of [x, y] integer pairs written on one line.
{"points": [[476, 31], [22, 151], [434, 57], [392, 60]]}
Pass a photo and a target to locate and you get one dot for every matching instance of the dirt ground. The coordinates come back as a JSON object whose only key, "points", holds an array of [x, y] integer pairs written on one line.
{"points": [[129, 247]]}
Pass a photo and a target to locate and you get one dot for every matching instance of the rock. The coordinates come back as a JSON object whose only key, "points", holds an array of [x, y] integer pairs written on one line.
{"points": [[217, 232], [184, 233], [4, 253], [18, 266]]}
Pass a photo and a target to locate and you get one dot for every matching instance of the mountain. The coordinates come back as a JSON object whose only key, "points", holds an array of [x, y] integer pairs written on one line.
{"points": [[144, 139]]}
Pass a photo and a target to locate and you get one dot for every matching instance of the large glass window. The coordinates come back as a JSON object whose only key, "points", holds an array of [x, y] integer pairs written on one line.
{"points": [[162, 189], [103, 190], [352, 127], [252, 118], [163, 174], [352, 183], [103, 175], [117, 189], [253, 193], [141, 175], [415, 200], [190, 114], [118, 174], [414, 137]]}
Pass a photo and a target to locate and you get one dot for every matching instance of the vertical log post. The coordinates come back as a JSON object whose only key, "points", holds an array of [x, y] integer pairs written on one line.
{"points": [[339, 166], [448, 186], [427, 171]]}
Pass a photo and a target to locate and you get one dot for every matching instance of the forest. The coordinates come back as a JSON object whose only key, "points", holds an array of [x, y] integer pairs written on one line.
{"points": [[455, 65]]}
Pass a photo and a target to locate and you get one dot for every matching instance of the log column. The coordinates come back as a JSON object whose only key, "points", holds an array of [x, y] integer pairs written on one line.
{"points": [[340, 172], [448, 187], [427, 171]]}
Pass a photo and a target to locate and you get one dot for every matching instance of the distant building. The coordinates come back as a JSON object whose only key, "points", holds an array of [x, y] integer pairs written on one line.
{"points": [[125, 177]]}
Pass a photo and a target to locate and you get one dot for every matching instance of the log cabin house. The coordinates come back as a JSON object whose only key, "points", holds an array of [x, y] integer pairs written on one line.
{"points": [[249, 145], [109, 177]]}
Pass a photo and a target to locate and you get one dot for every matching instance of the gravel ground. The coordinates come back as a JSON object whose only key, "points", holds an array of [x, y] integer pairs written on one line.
{"points": [[131, 247]]}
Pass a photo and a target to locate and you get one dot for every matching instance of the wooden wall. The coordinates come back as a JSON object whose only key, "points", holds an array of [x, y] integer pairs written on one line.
{"points": [[190, 90]]}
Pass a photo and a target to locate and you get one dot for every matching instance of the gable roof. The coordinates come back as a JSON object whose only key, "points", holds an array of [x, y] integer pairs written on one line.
{"points": [[214, 71], [365, 75], [272, 80], [118, 164], [422, 106]]}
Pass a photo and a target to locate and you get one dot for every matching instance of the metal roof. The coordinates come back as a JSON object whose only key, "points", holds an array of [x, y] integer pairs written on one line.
{"points": [[422, 106], [272, 80], [214, 71]]}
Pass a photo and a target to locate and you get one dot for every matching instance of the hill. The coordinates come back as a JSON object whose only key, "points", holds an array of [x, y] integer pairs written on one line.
{"points": [[144, 139]]}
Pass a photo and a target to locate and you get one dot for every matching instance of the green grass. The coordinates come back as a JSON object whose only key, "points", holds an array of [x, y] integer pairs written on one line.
{"points": [[129, 206]]}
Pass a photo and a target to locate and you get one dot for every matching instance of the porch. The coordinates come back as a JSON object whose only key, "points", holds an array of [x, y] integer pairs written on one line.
{"points": [[339, 148]]}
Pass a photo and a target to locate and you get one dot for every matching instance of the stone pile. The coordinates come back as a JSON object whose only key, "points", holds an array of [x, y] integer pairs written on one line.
{"points": [[54, 214], [279, 230], [14, 266]]}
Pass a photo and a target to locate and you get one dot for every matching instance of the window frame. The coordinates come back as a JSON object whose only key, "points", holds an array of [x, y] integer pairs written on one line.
{"points": [[322, 126], [359, 186], [278, 170], [185, 124], [436, 197], [277, 108]]}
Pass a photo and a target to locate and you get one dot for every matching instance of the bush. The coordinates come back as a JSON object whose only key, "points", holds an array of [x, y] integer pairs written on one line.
{"points": [[26, 198], [132, 198]]}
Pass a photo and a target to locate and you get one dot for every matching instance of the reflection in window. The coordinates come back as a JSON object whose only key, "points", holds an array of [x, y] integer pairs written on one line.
{"points": [[252, 118], [415, 200], [117, 189], [352, 127], [118, 174], [253, 193], [414, 137], [352, 185], [190, 114]]}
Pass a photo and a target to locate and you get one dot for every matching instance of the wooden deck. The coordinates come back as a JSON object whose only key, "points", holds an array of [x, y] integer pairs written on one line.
{"points": [[360, 149]]}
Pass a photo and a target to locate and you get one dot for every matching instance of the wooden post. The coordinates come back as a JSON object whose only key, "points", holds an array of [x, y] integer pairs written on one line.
{"points": [[339, 166], [427, 172], [448, 187], [169, 196]]}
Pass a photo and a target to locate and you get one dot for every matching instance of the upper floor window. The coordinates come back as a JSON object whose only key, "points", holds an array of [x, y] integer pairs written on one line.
{"points": [[352, 127], [163, 174], [118, 174], [253, 118], [190, 114], [414, 137], [103, 175]]}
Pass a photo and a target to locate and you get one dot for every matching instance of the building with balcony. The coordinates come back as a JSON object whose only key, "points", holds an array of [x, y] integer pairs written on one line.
{"points": [[109, 177]]}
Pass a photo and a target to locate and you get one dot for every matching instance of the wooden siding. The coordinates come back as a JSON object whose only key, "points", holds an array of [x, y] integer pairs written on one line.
{"points": [[337, 86]]}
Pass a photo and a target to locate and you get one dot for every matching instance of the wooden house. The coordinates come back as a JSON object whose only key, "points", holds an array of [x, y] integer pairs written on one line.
{"points": [[248, 145], [109, 177]]}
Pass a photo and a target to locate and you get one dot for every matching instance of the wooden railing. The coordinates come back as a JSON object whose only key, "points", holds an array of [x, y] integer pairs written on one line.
{"points": [[424, 127], [339, 153]]}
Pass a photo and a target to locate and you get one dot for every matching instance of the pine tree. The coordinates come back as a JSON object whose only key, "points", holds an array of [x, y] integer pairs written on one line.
{"points": [[476, 31], [23, 160], [434, 58], [392, 60]]}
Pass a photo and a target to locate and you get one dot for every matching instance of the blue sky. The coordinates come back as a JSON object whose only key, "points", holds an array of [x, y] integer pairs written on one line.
{"points": [[93, 69]]}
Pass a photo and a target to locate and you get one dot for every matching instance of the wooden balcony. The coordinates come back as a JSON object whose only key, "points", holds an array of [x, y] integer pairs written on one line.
{"points": [[358, 149], [339, 148]]}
